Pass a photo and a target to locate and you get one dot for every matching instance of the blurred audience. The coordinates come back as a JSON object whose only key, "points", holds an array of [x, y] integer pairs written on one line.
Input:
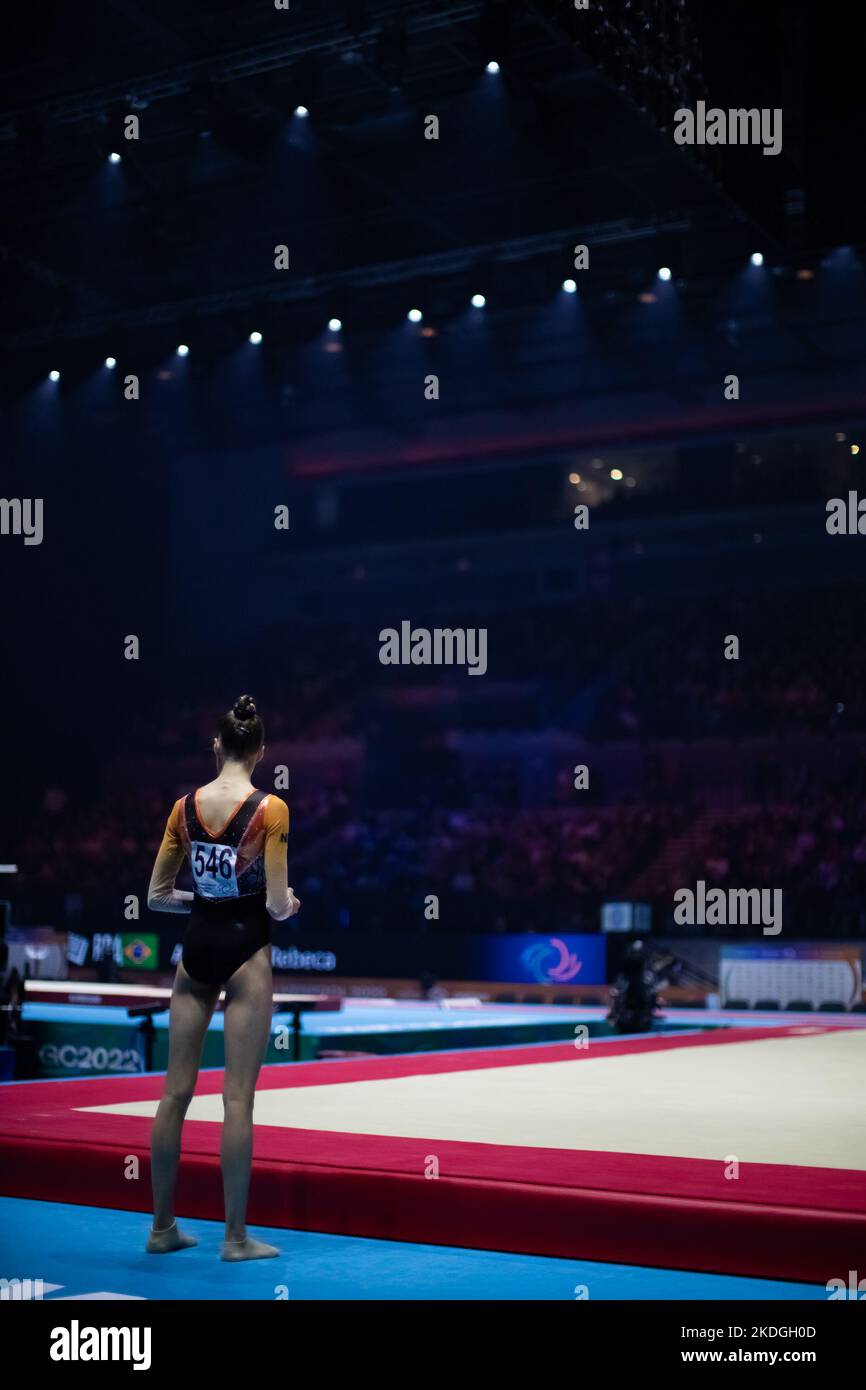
{"points": [[520, 856]]}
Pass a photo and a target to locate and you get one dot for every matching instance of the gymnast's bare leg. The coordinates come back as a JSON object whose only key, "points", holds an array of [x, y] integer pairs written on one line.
{"points": [[192, 1005], [248, 1009]]}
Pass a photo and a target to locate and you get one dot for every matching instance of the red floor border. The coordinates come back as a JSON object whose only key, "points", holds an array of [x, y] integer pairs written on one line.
{"points": [[777, 1221]]}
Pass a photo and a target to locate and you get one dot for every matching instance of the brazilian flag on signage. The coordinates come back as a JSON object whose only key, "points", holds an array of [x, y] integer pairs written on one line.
{"points": [[140, 952]]}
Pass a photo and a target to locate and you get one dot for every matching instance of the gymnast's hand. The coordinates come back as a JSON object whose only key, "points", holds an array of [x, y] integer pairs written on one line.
{"points": [[295, 902]]}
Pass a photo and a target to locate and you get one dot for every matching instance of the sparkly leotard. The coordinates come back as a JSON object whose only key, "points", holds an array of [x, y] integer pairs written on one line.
{"points": [[233, 870]]}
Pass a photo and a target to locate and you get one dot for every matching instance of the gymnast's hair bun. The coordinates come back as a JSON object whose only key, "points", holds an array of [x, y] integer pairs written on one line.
{"points": [[241, 731]]}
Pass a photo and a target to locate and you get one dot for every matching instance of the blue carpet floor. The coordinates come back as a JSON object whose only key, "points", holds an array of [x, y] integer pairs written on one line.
{"points": [[79, 1251]]}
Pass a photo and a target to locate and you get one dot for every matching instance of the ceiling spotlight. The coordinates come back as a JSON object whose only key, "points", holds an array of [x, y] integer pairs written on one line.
{"points": [[756, 258], [415, 316], [664, 273], [255, 338], [182, 350], [855, 449], [301, 111], [574, 478], [616, 474], [493, 66], [478, 301], [53, 376], [570, 286], [114, 158], [335, 325], [111, 363]]}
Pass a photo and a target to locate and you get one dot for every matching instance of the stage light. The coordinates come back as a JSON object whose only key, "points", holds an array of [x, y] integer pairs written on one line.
{"points": [[493, 66], [478, 301], [114, 158], [574, 478], [255, 338], [301, 111], [182, 350], [415, 316], [664, 273], [111, 363], [53, 376], [616, 474], [855, 449], [335, 325], [570, 286], [756, 258]]}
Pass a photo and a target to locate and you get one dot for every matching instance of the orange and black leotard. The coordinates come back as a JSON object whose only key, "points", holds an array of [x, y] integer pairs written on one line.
{"points": [[240, 877]]}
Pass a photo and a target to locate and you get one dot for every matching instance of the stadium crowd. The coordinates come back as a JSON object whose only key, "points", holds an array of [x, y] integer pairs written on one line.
{"points": [[519, 859]]}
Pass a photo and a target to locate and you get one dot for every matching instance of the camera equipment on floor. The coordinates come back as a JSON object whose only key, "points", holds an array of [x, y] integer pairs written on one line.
{"points": [[644, 973]]}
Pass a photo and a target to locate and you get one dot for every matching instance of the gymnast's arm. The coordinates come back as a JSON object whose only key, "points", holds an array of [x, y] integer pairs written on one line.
{"points": [[281, 901], [162, 896]]}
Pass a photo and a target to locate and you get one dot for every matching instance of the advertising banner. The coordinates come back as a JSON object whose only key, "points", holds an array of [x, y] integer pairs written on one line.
{"points": [[789, 974]]}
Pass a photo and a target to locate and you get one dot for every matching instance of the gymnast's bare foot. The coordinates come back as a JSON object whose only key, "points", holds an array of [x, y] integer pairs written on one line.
{"points": [[164, 1242], [247, 1249]]}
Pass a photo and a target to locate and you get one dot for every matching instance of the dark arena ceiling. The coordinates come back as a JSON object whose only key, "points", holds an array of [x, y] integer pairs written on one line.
{"points": [[570, 141]]}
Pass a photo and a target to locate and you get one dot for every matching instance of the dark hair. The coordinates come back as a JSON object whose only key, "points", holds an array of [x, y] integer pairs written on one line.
{"points": [[241, 731]]}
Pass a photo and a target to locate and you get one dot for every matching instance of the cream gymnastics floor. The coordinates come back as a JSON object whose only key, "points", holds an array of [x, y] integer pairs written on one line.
{"points": [[798, 1100]]}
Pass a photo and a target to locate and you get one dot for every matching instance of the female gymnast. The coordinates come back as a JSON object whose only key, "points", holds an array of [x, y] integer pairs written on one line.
{"points": [[235, 838]]}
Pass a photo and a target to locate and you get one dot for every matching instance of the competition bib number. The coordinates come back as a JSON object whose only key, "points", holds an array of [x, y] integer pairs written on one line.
{"points": [[214, 869]]}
